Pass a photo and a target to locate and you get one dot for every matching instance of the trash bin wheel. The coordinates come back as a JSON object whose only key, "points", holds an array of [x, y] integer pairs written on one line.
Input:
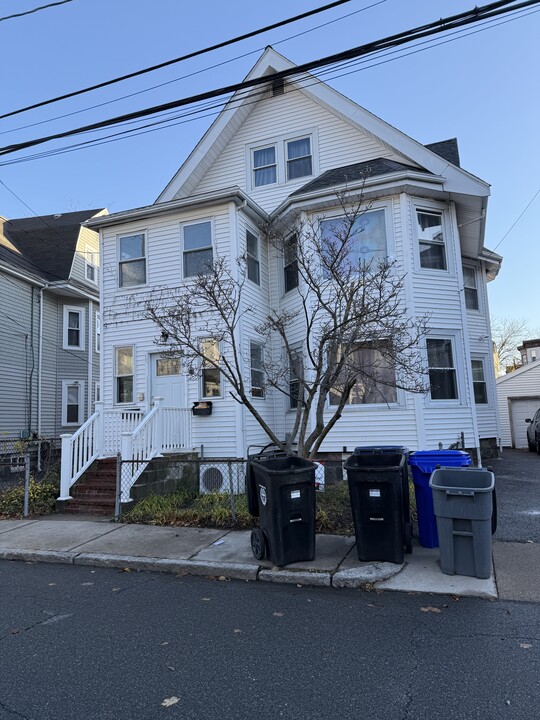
{"points": [[258, 544], [407, 537]]}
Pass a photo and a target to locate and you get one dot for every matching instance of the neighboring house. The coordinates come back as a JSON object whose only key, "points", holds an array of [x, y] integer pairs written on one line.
{"points": [[518, 395], [49, 324], [284, 153]]}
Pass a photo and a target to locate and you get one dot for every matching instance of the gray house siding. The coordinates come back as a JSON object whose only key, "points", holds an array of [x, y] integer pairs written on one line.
{"points": [[19, 330], [49, 353]]}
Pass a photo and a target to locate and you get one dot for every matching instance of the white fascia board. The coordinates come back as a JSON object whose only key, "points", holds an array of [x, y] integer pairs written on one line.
{"points": [[166, 208]]}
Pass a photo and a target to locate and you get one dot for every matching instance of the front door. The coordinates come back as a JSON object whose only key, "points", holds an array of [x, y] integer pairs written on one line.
{"points": [[167, 381]]}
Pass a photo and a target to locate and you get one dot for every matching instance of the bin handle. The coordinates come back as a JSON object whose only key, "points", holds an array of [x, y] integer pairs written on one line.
{"points": [[468, 493]]}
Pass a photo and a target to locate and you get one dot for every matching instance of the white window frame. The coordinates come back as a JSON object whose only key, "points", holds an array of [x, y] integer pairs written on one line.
{"points": [[483, 359], [252, 369], [287, 159], [476, 288], [97, 392], [116, 376], [183, 251], [431, 208], [293, 264], [253, 169], [90, 254], [81, 313], [455, 340], [280, 143], [119, 262], [66, 384], [211, 367], [354, 407], [293, 378], [256, 260], [97, 341]]}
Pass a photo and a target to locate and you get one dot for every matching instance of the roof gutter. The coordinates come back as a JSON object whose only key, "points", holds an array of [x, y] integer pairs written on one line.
{"points": [[22, 276], [234, 194]]}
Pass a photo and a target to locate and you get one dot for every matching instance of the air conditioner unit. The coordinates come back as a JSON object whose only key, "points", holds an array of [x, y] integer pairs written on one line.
{"points": [[222, 477]]}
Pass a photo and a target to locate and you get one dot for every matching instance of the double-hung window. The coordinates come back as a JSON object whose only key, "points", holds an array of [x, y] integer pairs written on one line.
{"points": [[90, 261], [442, 371], [198, 253], [479, 382], [264, 166], [210, 373], [363, 238], [257, 372], [132, 260], [470, 288], [73, 328], [123, 372], [375, 377], [431, 240], [299, 159], [296, 375], [290, 260], [98, 332], [252, 257], [72, 402]]}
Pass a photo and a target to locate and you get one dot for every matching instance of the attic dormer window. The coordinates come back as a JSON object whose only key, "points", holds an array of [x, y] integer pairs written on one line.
{"points": [[264, 166]]}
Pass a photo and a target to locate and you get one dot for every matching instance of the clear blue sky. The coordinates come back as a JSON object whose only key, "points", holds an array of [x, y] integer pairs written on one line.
{"points": [[482, 89]]}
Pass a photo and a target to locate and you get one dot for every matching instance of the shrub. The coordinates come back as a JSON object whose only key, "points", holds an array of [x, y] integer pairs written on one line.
{"points": [[41, 499]]}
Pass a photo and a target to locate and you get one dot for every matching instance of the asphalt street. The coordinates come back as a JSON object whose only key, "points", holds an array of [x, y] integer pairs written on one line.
{"points": [[86, 643], [517, 477]]}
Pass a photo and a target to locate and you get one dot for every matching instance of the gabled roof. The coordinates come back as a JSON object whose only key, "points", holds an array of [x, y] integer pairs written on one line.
{"points": [[47, 243], [353, 173], [520, 371], [241, 104], [447, 149]]}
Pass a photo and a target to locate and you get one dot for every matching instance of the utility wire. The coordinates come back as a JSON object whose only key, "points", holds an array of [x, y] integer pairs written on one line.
{"points": [[34, 10], [517, 220], [196, 53], [442, 25], [195, 72], [198, 112]]}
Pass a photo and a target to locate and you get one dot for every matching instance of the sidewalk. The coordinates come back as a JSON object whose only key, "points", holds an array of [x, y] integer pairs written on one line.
{"points": [[198, 551]]}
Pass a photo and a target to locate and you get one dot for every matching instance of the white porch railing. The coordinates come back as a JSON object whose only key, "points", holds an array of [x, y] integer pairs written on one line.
{"points": [[164, 429], [106, 433]]}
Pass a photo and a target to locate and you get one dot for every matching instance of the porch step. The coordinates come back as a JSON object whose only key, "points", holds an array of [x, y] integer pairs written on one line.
{"points": [[95, 491]]}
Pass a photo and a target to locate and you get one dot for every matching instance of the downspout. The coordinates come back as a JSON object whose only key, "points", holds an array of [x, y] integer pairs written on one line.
{"points": [[90, 355], [31, 375], [40, 362]]}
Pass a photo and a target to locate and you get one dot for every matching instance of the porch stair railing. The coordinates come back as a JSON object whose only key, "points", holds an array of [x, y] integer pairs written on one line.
{"points": [[138, 437]]}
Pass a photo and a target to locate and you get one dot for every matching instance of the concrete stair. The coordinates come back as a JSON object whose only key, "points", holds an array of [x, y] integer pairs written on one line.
{"points": [[94, 493]]}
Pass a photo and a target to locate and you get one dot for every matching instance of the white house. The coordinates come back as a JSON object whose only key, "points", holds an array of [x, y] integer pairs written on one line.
{"points": [[518, 396], [284, 153]]}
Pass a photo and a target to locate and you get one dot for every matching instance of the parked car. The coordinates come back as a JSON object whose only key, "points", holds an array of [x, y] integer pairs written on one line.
{"points": [[533, 432]]}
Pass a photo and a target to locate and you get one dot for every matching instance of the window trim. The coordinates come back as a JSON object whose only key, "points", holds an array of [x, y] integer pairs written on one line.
{"points": [[275, 164], [455, 340], [132, 288], [476, 357], [252, 369], [297, 350], [476, 288], [116, 376], [432, 208], [65, 329], [201, 384], [89, 252], [294, 262], [66, 384], [97, 339], [287, 159], [280, 143], [187, 223], [256, 260], [351, 407]]}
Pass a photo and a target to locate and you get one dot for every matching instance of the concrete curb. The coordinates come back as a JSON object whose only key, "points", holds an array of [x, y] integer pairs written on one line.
{"points": [[296, 577], [368, 574], [50, 556]]}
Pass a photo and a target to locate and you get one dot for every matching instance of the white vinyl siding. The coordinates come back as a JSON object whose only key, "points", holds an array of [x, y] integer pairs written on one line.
{"points": [[519, 385]]}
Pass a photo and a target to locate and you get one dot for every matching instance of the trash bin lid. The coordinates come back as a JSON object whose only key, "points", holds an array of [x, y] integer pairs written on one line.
{"points": [[380, 449], [463, 480], [427, 460]]}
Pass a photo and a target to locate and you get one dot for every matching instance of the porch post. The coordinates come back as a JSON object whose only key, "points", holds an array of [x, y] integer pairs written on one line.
{"points": [[159, 425], [99, 432], [65, 467]]}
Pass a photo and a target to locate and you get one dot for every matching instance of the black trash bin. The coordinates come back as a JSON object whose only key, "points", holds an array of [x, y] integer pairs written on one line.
{"points": [[379, 492], [283, 496]]}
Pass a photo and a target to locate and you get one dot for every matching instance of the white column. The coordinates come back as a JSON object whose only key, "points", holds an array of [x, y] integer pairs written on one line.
{"points": [[157, 440], [65, 467]]}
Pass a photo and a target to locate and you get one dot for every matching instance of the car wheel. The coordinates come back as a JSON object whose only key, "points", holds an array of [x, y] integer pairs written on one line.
{"points": [[532, 448], [538, 446]]}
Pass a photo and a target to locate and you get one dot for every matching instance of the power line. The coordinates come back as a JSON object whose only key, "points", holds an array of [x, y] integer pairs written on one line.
{"points": [[34, 10], [517, 220], [442, 25], [169, 122], [194, 73], [196, 53]]}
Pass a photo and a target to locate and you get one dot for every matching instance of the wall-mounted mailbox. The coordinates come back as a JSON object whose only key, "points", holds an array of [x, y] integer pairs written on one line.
{"points": [[203, 407]]}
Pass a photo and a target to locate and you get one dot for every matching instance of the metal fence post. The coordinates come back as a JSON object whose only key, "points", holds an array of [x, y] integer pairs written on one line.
{"points": [[26, 481], [118, 487], [231, 492]]}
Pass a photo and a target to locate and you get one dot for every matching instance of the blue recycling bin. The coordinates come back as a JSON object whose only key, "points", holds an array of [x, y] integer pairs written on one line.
{"points": [[423, 463]]}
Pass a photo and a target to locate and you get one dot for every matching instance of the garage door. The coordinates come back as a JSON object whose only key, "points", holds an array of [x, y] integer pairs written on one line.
{"points": [[520, 410]]}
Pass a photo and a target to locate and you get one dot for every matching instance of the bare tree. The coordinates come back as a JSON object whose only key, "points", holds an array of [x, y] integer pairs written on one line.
{"points": [[360, 343], [507, 334]]}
